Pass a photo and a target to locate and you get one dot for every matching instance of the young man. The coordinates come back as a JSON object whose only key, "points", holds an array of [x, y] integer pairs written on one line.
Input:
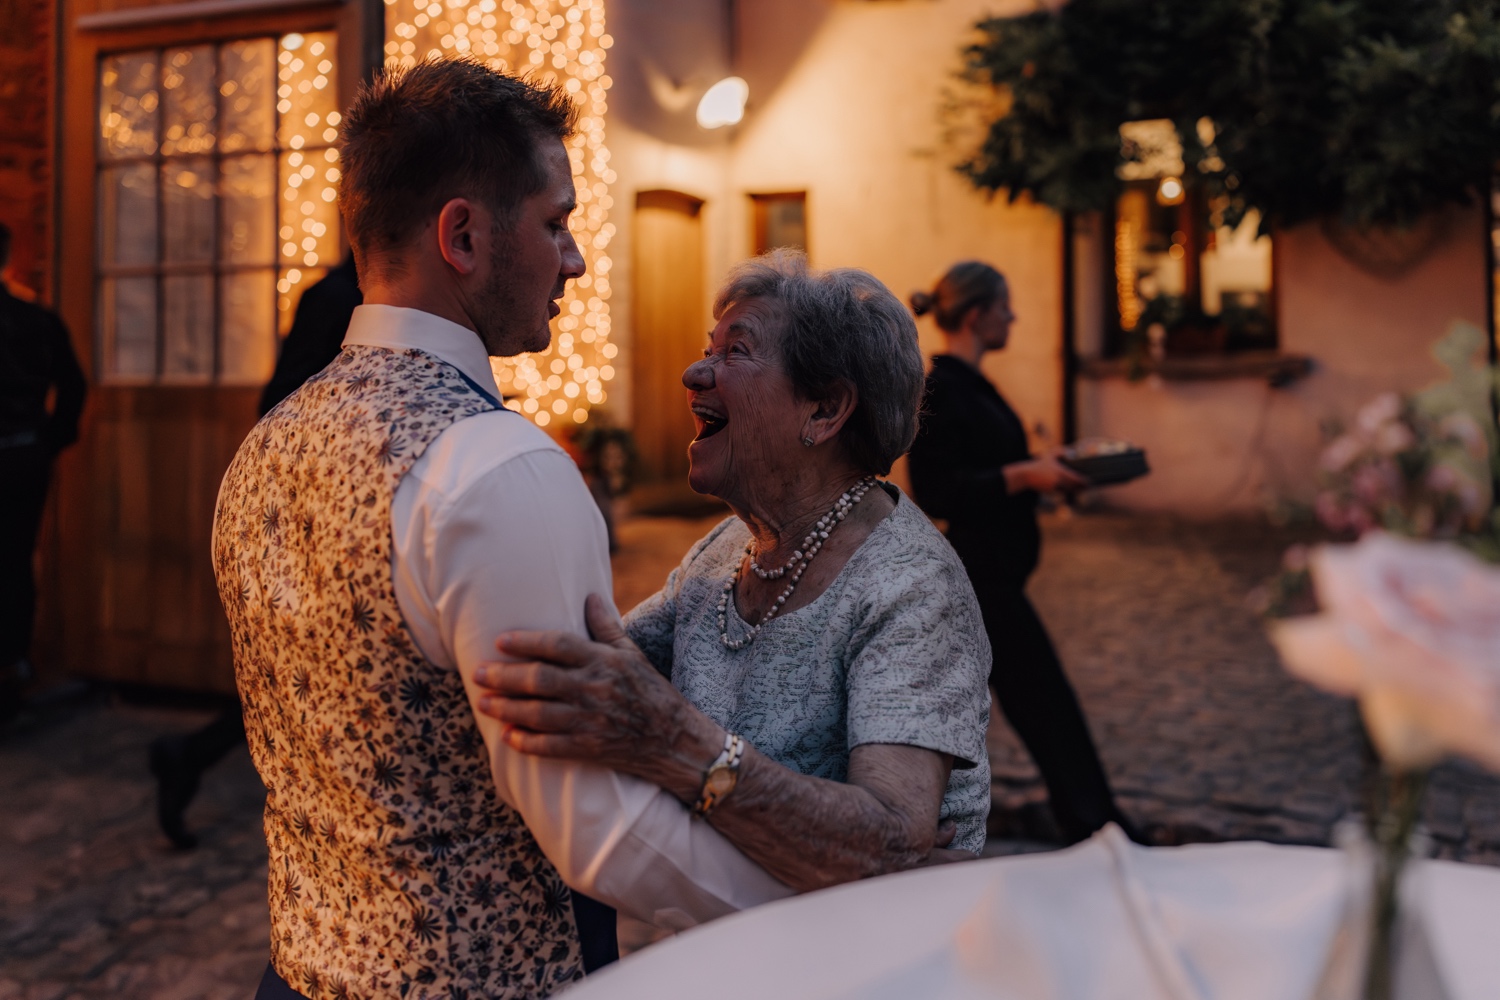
{"points": [[378, 530]]}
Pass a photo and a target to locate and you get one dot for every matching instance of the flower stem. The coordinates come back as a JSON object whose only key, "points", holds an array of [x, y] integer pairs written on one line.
{"points": [[1392, 823]]}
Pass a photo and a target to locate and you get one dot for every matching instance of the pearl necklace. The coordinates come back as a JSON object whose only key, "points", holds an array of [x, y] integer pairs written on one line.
{"points": [[796, 565]]}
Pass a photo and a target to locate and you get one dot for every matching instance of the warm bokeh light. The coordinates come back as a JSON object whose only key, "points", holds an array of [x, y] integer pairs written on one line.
{"points": [[217, 180], [560, 42], [307, 217]]}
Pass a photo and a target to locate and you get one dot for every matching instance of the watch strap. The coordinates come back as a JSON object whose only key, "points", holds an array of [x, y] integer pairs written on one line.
{"points": [[709, 796]]}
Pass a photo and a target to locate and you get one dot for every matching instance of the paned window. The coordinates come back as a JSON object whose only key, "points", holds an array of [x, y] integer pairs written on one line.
{"points": [[217, 180], [779, 220], [1184, 282]]}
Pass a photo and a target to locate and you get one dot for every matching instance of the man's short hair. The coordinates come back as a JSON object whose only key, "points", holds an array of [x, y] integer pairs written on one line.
{"points": [[442, 129]]}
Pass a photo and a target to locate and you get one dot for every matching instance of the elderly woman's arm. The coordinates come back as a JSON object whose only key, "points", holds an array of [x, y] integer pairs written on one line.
{"points": [[604, 702], [812, 833]]}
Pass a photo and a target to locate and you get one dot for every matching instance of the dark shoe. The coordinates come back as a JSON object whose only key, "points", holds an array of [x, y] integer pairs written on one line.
{"points": [[13, 681], [176, 784]]}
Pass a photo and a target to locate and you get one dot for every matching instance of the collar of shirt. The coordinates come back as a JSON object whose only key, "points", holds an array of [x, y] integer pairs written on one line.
{"points": [[400, 329]]}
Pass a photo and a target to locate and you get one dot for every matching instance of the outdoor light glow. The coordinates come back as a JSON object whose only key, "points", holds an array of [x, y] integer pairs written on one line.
{"points": [[1170, 191], [1126, 274], [724, 103], [307, 218], [556, 42]]}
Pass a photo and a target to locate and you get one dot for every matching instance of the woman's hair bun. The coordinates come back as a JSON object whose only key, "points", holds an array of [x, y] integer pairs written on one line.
{"points": [[922, 302]]}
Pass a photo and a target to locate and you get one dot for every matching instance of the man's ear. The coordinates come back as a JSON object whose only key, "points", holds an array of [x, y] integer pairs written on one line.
{"points": [[830, 414], [461, 227]]}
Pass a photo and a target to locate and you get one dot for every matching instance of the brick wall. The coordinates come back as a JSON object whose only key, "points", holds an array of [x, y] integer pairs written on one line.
{"points": [[26, 73]]}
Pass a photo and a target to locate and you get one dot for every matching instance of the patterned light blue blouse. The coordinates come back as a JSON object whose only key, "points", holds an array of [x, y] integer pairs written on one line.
{"points": [[894, 651]]}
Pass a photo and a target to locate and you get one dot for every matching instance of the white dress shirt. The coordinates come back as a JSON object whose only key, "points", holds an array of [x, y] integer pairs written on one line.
{"points": [[493, 529]]}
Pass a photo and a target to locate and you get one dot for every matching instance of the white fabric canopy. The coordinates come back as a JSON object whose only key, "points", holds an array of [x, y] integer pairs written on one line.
{"points": [[1105, 920]]}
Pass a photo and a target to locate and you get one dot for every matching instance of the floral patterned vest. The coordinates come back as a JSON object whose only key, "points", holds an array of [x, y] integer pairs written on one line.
{"points": [[395, 869]]}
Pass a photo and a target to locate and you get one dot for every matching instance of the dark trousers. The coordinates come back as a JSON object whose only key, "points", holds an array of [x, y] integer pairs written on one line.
{"points": [[203, 748], [1037, 700], [24, 472], [596, 933]]}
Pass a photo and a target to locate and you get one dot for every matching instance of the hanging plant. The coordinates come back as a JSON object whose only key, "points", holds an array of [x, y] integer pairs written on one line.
{"points": [[1376, 112]]}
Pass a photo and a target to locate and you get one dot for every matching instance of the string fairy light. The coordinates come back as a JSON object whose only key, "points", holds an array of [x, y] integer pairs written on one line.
{"points": [[307, 219], [560, 42]]}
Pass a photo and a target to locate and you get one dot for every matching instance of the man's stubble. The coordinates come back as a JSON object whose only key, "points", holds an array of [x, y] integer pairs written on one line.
{"points": [[503, 323]]}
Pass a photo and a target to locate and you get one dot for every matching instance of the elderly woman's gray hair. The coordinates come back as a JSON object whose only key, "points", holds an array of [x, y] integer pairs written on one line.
{"points": [[841, 327]]}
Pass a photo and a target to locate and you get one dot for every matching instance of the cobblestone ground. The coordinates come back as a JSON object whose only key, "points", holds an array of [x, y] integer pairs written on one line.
{"points": [[1203, 736], [1202, 733], [94, 903]]}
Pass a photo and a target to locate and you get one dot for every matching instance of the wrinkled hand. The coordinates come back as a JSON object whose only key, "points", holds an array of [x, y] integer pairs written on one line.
{"points": [[599, 701], [940, 853]]}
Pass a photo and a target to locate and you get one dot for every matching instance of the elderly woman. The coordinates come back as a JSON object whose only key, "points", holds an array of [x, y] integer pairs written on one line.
{"points": [[827, 705]]}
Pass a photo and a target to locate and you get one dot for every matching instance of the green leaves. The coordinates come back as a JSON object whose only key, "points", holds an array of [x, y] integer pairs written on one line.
{"points": [[1377, 111]]}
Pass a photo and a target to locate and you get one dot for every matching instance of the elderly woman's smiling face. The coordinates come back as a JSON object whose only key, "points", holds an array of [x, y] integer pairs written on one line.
{"points": [[749, 416]]}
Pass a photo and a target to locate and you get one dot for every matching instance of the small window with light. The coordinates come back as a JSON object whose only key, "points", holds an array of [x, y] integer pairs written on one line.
{"points": [[1185, 282]]}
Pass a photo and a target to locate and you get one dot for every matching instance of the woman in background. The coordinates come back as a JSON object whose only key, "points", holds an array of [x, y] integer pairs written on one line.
{"points": [[971, 466]]}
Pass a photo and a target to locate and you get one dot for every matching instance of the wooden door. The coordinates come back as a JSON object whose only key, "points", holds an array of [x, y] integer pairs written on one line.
{"points": [[196, 210], [156, 458], [671, 325]]}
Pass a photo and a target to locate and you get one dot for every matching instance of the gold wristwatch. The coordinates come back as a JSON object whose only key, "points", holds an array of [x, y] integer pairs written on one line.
{"points": [[721, 777]]}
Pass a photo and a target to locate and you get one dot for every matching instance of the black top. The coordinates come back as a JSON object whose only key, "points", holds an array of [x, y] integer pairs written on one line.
{"points": [[317, 333], [969, 434], [37, 356]]}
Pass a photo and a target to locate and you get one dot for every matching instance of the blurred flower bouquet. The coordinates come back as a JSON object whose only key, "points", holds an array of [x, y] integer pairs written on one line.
{"points": [[1408, 626], [1421, 465]]}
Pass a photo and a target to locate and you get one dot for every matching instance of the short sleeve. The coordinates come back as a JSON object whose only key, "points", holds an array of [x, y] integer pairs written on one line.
{"points": [[652, 624], [918, 673]]}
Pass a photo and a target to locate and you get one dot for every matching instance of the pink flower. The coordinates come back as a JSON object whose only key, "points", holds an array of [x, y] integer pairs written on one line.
{"points": [[1393, 438], [1466, 431], [1341, 451], [1377, 484], [1380, 410], [1442, 479], [1411, 629]]}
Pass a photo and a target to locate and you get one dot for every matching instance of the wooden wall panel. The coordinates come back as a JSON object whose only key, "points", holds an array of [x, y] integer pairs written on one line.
{"points": [[670, 332]]}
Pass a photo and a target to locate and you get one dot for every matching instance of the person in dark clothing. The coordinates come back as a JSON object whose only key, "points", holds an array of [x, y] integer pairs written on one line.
{"points": [[971, 465], [316, 336], [36, 361], [317, 332]]}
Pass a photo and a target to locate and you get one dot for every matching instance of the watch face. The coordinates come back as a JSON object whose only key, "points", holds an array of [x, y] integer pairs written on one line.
{"points": [[720, 782]]}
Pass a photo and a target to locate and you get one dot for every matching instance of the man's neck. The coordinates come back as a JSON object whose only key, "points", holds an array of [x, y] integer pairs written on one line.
{"points": [[405, 296]]}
